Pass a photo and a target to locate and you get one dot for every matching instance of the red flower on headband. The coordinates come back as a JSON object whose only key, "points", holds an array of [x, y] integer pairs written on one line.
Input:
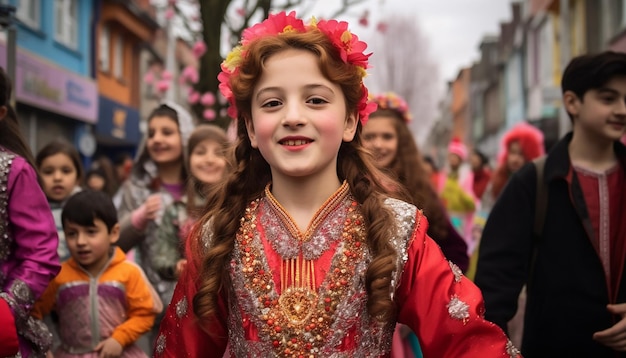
{"points": [[351, 49], [274, 25], [391, 100]]}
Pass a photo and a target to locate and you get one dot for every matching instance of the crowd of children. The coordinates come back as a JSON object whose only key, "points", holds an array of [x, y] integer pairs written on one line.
{"points": [[322, 231]]}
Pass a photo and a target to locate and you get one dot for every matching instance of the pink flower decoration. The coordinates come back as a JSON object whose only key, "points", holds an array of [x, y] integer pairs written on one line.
{"points": [[169, 13], [241, 11], [363, 20], [382, 27], [208, 114], [148, 78], [162, 86], [190, 74], [274, 25], [199, 48], [166, 75], [208, 99], [193, 97]]}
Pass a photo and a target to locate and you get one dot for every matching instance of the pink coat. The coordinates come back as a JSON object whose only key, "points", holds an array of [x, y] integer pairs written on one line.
{"points": [[28, 246]]}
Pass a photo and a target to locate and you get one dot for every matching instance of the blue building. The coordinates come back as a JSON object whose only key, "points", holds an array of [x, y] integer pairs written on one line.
{"points": [[55, 89]]}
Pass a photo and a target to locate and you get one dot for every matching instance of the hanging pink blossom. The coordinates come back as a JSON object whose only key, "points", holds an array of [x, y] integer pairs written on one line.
{"points": [[166, 75], [148, 78], [208, 99], [199, 48], [382, 27], [193, 97], [363, 20], [208, 114], [241, 11], [162, 86], [190, 74], [169, 13]]}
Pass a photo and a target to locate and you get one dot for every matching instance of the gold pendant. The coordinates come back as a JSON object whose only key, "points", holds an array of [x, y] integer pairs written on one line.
{"points": [[298, 304]]}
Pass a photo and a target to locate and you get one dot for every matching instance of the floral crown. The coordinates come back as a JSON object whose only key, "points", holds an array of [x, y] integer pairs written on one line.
{"points": [[390, 100], [351, 51]]}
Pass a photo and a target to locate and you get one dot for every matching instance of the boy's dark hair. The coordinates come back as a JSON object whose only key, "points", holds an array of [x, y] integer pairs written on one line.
{"points": [[84, 207], [592, 71]]}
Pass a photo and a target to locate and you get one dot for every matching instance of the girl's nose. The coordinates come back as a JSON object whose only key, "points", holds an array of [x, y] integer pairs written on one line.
{"points": [[294, 116]]}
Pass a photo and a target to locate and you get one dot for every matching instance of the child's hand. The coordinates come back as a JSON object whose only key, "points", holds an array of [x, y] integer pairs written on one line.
{"points": [[109, 348], [180, 266], [152, 205], [146, 212], [614, 337]]}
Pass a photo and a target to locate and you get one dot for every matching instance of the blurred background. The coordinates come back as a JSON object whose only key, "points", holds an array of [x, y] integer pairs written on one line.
{"points": [[90, 70]]}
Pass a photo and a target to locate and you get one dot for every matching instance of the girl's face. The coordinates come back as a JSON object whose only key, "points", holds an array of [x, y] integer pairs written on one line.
{"points": [[207, 161], [380, 137], [515, 157], [164, 140], [299, 117], [96, 182], [59, 176]]}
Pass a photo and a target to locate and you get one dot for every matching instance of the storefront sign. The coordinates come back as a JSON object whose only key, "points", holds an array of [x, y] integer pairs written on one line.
{"points": [[118, 121], [47, 86]]}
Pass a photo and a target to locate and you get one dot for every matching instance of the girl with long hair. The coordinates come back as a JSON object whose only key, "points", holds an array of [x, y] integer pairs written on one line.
{"points": [[304, 251]]}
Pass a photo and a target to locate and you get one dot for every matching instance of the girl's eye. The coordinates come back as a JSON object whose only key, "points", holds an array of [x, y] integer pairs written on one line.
{"points": [[70, 234], [92, 231], [273, 103], [317, 100]]}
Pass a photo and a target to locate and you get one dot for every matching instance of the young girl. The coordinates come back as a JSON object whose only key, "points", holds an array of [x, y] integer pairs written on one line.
{"points": [[61, 173], [157, 179], [303, 252], [390, 140], [207, 164], [28, 239], [387, 135]]}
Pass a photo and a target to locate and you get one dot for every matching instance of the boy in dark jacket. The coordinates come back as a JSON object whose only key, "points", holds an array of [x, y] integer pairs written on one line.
{"points": [[574, 269]]}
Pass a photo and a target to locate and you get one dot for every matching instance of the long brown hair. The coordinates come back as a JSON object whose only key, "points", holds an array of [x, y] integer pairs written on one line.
{"points": [[408, 169], [11, 137], [252, 173]]}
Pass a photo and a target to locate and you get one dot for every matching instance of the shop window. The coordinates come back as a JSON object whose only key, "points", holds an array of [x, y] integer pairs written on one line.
{"points": [[104, 53], [118, 61], [28, 12], [66, 26]]}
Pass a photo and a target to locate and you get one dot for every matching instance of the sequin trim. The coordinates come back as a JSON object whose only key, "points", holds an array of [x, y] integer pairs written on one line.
{"points": [[159, 346], [456, 271], [511, 350], [6, 160], [181, 307], [458, 309]]}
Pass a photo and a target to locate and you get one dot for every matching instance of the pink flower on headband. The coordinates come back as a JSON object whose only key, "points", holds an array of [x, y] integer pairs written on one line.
{"points": [[350, 48], [274, 25], [391, 100]]}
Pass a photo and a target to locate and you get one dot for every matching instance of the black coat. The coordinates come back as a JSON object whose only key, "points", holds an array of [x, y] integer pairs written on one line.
{"points": [[567, 293]]}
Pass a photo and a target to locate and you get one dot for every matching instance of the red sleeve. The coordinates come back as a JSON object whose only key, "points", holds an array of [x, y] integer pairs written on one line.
{"points": [[181, 334], [443, 308], [9, 344]]}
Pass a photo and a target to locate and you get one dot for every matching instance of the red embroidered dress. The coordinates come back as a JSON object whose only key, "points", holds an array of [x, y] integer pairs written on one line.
{"points": [[299, 294]]}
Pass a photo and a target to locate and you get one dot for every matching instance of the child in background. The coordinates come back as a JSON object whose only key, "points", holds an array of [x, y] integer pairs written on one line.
{"points": [[104, 302], [304, 252], [388, 136], [157, 179], [28, 239], [61, 173], [206, 161]]}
